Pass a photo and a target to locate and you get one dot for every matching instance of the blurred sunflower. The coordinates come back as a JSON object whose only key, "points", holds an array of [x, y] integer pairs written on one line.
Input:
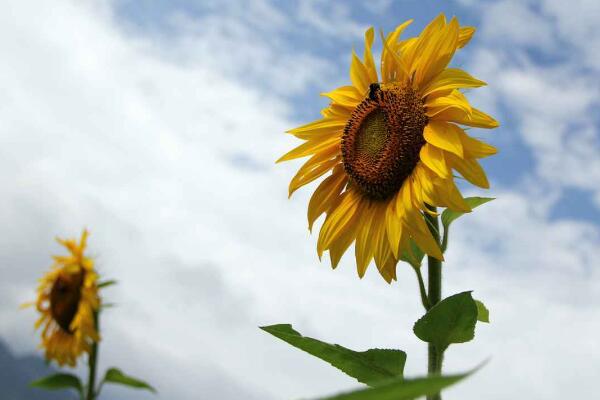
{"points": [[67, 300], [391, 143]]}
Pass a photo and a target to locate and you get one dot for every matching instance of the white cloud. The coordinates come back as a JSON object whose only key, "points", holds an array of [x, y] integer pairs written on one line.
{"points": [[168, 159], [551, 102]]}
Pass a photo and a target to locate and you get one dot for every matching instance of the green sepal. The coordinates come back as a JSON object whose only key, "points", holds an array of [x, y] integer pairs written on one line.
{"points": [[452, 320], [370, 367], [116, 376], [407, 389], [483, 314], [58, 382], [414, 255], [104, 284], [448, 216]]}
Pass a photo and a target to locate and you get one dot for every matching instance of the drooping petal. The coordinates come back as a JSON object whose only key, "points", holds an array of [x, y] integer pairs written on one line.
{"points": [[380, 241], [316, 166], [337, 220], [325, 195], [393, 225], [341, 244], [388, 270], [363, 247]]}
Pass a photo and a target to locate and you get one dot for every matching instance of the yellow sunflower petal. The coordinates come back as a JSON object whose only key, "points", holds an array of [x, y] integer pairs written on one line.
{"points": [[380, 242], [420, 233], [359, 75], [414, 51], [363, 247], [453, 199], [337, 220], [325, 195], [341, 244], [368, 56], [336, 111], [475, 148], [449, 79], [388, 270], [437, 53], [453, 101], [465, 34], [388, 65], [476, 118], [469, 169], [445, 136], [314, 168], [346, 96], [393, 225], [334, 126], [433, 158], [311, 147]]}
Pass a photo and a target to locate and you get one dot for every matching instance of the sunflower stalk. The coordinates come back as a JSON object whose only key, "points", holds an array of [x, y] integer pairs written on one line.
{"points": [[434, 282], [92, 363]]}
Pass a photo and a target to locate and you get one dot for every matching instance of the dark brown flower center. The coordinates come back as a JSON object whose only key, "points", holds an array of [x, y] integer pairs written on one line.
{"points": [[64, 299], [383, 138]]}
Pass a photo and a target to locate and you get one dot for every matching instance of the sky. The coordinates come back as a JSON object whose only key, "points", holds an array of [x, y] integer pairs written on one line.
{"points": [[156, 124]]}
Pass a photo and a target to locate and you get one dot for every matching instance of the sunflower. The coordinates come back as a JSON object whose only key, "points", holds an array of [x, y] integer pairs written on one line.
{"points": [[67, 301], [389, 145]]}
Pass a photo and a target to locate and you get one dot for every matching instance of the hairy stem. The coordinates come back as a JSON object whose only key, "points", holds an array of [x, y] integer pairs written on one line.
{"points": [[434, 283]]}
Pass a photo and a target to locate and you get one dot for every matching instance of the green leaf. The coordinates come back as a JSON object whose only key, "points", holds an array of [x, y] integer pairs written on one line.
{"points": [[115, 375], [448, 216], [107, 283], [369, 367], [398, 389], [483, 314], [58, 381], [452, 320]]}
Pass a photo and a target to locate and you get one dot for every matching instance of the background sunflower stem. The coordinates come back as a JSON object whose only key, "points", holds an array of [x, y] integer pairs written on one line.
{"points": [[434, 283], [92, 361], [422, 290]]}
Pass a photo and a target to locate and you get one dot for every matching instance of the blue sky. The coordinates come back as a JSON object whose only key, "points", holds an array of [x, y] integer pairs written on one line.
{"points": [[332, 43], [156, 125]]}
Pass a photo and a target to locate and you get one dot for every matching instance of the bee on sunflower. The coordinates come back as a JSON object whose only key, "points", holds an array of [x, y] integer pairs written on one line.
{"points": [[390, 144]]}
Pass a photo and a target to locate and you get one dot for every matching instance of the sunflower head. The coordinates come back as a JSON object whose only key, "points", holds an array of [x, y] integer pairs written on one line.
{"points": [[390, 144], [67, 301]]}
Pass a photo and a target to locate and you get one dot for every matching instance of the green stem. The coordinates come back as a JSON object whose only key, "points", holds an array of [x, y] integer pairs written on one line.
{"points": [[434, 283], [422, 290], [92, 364]]}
